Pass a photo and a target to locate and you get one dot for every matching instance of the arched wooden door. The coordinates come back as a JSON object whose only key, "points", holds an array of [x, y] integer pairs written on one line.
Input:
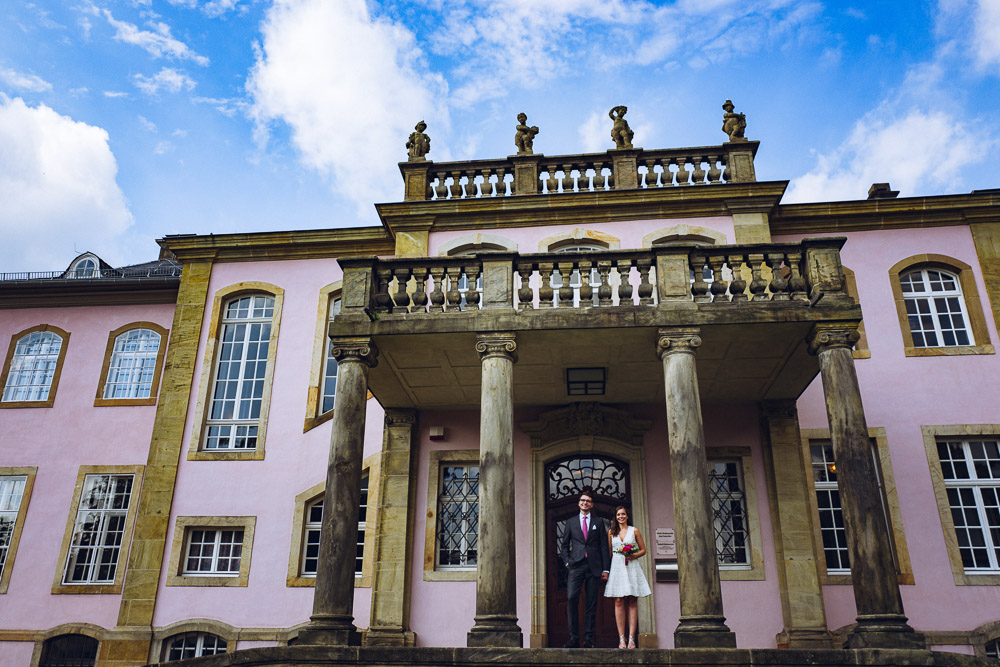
{"points": [[607, 479]]}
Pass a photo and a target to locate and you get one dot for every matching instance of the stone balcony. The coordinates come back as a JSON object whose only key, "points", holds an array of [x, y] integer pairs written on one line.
{"points": [[755, 306]]}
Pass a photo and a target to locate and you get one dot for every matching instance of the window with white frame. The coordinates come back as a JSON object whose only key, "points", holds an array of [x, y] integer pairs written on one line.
{"points": [[314, 524], [11, 492], [192, 645], [458, 517], [971, 472], [729, 510], [132, 364], [213, 552], [831, 513], [95, 548], [993, 649], [575, 279], [85, 268], [935, 308], [32, 367], [330, 368], [240, 371]]}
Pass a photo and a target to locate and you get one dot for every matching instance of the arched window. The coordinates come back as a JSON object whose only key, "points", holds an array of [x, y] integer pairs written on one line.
{"points": [[313, 524], [192, 645], [85, 268], [240, 371], [993, 649], [69, 651], [330, 366], [132, 364], [935, 308], [939, 308], [33, 366]]}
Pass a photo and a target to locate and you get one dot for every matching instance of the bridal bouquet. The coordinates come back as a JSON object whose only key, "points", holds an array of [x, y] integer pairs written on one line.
{"points": [[627, 550]]}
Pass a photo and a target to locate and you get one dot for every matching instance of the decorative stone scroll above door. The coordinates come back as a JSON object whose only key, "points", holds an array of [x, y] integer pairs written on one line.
{"points": [[598, 432]]}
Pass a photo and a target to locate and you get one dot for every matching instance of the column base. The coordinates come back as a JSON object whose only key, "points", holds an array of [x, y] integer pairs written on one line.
{"points": [[500, 631], [805, 638], [704, 632], [330, 631], [390, 637], [885, 631]]}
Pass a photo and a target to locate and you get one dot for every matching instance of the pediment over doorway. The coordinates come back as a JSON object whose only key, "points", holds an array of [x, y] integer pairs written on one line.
{"points": [[585, 419]]}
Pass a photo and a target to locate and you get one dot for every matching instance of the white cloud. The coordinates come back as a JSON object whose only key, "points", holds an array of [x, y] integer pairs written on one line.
{"points": [[85, 27], [219, 7], [350, 86], [592, 130], [57, 182], [29, 82], [224, 105], [114, 94], [987, 33], [917, 154], [163, 148], [147, 124], [159, 43], [168, 79]]}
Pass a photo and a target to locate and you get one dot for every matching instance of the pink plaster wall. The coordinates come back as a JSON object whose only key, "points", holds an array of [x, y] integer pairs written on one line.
{"points": [[294, 461], [58, 440], [629, 233], [901, 394]]}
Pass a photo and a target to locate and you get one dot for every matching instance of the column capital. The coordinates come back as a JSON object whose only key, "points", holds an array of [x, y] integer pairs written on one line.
{"points": [[497, 344], [830, 335], [400, 417], [354, 349], [779, 409], [677, 339]]}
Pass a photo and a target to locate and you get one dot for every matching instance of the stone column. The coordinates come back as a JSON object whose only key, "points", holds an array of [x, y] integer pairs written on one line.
{"points": [[881, 623], [496, 595], [332, 620], [702, 623], [390, 611], [801, 594]]}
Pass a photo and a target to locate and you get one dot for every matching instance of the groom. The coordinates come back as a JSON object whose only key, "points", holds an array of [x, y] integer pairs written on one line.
{"points": [[584, 549]]}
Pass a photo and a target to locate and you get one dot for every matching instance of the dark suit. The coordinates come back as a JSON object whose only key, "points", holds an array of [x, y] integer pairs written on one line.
{"points": [[586, 560]]}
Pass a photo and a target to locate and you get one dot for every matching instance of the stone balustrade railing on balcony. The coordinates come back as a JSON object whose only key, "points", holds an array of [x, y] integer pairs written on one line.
{"points": [[724, 276], [619, 169]]}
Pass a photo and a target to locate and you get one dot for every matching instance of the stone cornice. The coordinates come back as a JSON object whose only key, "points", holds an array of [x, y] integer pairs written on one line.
{"points": [[581, 208], [281, 245], [864, 214], [109, 292]]}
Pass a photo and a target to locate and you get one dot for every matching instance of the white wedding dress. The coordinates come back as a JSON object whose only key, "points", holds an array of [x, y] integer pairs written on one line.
{"points": [[625, 580]]}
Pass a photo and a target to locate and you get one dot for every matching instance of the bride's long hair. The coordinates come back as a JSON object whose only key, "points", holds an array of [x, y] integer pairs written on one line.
{"points": [[615, 528]]}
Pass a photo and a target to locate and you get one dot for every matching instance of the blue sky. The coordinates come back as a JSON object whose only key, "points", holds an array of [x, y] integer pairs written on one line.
{"points": [[125, 120]]}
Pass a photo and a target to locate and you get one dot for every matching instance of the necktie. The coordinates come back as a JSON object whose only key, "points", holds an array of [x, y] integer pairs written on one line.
{"points": [[584, 519]]}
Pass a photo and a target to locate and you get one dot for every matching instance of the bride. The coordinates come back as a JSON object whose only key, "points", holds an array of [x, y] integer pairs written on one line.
{"points": [[625, 583]]}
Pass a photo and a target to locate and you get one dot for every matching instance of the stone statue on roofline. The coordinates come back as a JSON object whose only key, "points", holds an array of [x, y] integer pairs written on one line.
{"points": [[733, 124], [620, 131], [525, 136], [419, 144]]}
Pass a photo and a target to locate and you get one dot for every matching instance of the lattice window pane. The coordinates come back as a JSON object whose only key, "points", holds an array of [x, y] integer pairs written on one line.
{"points": [[193, 645], [11, 492], [993, 649], [971, 472], [458, 517], [935, 308], [314, 525], [95, 548], [213, 551], [32, 367], [133, 362], [330, 367], [729, 510], [69, 651]]}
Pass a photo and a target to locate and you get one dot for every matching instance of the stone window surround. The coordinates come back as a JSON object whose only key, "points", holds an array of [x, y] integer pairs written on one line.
{"points": [[178, 549], [931, 434], [161, 353], [970, 294], [58, 587], [370, 466], [754, 570], [576, 236], [29, 473], [87, 629], [860, 350], [221, 298], [683, 233], [232, 634], [877, 433], [48, 402], [477, 242], [436, 458]]}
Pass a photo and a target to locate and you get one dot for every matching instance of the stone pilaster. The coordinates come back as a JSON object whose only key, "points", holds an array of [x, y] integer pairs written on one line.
{"points": [[332, 620], [702, 623], [390, 611], [881, 623], [496, 594], [801, 594]]}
